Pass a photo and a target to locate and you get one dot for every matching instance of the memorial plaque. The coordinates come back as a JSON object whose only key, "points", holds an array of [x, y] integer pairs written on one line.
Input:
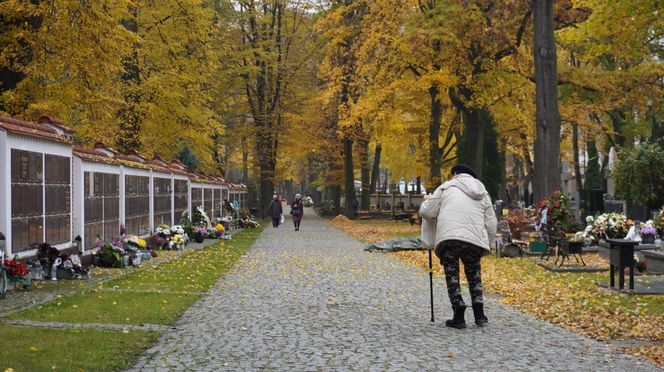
{"points": [[617, 206]]}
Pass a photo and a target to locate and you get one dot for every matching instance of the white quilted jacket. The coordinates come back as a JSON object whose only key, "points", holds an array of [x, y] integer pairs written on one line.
{"points": [[459, 209]]}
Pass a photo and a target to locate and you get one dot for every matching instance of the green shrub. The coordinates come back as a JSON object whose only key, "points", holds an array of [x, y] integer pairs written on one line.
{"points": [[639, 175]]}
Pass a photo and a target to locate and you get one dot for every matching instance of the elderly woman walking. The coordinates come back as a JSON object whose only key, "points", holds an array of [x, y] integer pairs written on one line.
{"points": [[274, 210], [297, 211], [461, 215]]}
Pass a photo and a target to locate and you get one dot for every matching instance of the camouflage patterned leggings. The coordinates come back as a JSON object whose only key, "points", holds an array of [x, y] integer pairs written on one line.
{"points": [[449, 252]]}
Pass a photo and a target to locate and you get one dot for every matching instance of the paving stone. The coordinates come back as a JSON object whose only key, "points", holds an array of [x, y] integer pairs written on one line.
{"points": [[313, 300]]}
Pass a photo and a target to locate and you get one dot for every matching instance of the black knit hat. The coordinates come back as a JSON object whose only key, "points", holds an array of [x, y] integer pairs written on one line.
{"points": [[463, 168]]}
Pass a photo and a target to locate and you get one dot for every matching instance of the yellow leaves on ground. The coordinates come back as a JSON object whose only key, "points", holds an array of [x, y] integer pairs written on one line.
{"points": [[374, 231], [571, 300]]}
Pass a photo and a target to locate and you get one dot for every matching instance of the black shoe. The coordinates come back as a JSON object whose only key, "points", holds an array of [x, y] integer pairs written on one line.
{"points": [[480, 319], [458, 321]]}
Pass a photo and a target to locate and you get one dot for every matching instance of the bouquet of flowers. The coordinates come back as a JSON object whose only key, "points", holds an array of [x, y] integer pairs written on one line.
{"points": [[110, 253], [658, 222], [518, 222], [47, 255], [580, 236], [200, 230], [177, 230], [136, 242], [200, 218], [248, 223], [178, 239], [16, 270], [162, 236], [163, 231], [558, 211], [611, 225]]}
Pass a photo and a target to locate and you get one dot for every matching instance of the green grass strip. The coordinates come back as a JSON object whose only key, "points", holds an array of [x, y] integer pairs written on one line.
{"points": [[40, 349], [112, 307], [195, 271]]}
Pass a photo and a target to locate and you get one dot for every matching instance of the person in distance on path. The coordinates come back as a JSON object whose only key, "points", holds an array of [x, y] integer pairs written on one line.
{"points": [[297, 211], [274, 210], [465, 229]]}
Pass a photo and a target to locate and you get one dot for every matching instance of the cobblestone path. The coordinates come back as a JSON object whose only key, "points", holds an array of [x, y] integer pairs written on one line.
{"points": [[314, 301]]}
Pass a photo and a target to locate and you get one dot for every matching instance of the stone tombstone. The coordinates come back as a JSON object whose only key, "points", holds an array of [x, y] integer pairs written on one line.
{"points": [[617, 206]]}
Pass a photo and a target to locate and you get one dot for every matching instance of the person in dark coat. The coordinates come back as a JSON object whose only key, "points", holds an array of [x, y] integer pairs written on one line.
{"points": [[297, 211], [274, 210]]}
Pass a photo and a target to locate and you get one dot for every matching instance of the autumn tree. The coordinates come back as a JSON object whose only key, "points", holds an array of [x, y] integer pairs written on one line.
{"points": [[612, 79], [169, 78], [66, 57], [342, 27], [547, 142], [270, 31]]}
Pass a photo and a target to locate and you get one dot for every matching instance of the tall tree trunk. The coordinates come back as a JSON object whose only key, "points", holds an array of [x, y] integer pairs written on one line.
{"points": [[349, 178], [472, 145], [365, 171], [375, 169], [528, 176], [518, 176], [334, 195], [130, 124], [266, 148], [593, 174], [492, 160], [436, 107], [504, 191], [547, 142], [577, 161], [245, 159], [618, 122], [605, 171], [657, 128], [418, 185]]}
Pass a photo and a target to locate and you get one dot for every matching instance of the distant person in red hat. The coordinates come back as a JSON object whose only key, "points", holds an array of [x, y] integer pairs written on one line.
{"points": [[297, 211]]}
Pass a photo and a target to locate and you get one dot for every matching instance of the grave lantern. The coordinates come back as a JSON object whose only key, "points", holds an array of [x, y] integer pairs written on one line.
{"points": [[77, 243], [3, 244]]}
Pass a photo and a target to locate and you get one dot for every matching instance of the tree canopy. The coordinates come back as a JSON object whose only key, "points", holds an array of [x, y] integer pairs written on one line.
{"points": [[319, 94]]}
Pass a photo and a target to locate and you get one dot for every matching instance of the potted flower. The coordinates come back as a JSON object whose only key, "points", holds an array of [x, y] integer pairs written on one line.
{"points": [[162, 236], [518, 222], [110, 254], [17, 272], [559, 212], [219, 230], [648, 234], [177, 230], [576, 243], [159, 241], [47, 256], [658, 222], [178, 241], [200, 233]]}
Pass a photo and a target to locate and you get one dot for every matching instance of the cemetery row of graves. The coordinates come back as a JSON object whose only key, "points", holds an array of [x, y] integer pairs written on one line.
{"points": [[65, 206]]}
